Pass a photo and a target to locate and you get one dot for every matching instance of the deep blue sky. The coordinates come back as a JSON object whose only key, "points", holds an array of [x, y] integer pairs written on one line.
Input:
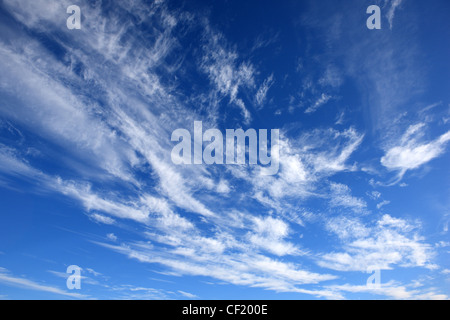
{"points": [[86, 176]]}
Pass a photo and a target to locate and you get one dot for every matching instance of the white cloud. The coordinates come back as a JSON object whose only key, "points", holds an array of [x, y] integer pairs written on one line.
{"points": [[59, 115], [391, 241], [412, 152], [391, 290], [382, 204], [92, 271], [111, 236], [261, 95], [304, 163], [223, 187], [334, 148], [374, 195], [400, 224], [131, 292], [391, 12], [332, 77], [347, 228], [340, 196], [92, 201], [188, 295], [138, 210], [11, 280], [103, 219], [268, 233], [31, 13], [123, 135], [324, 98], [223, 69], [226, 259]]}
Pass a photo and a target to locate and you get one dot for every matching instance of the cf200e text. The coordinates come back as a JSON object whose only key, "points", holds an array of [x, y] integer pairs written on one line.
{"points": [[231, 309], [247, 309]]}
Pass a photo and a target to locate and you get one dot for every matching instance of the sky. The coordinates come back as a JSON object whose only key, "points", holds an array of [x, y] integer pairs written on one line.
{"points": [[87, 178]]}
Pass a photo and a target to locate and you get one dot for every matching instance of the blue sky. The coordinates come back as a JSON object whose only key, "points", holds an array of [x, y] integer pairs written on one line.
{"points": [[86, 177]]}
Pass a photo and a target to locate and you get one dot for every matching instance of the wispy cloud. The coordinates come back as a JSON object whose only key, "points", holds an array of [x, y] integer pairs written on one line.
{"points": [[229, 223], [188, 295], [392, 290], [261, 95], [412, 152], [112, 236], [391, 12], [323, 99], [391, 241], [240, 268], [225, 71], [382, 204], [269, 233], [10, 280], [103, 219], [340, 196]]}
